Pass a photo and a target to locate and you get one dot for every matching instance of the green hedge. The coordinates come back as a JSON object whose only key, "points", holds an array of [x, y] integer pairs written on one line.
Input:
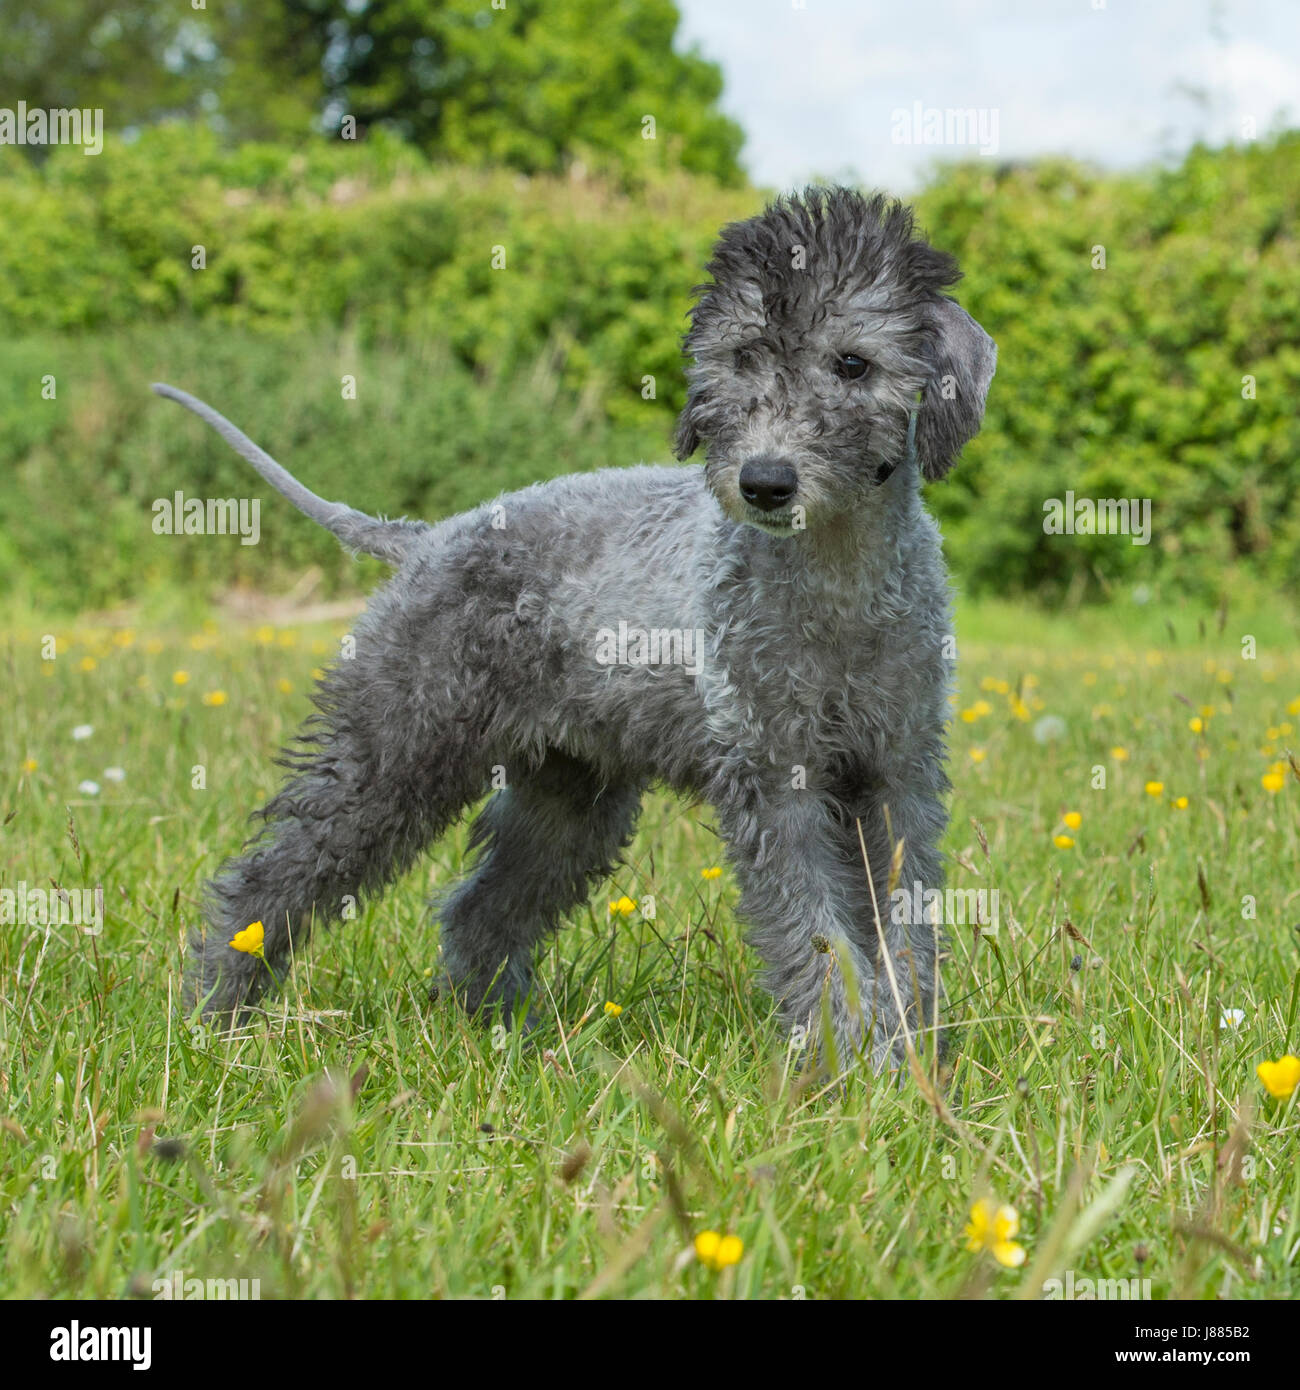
{"points": [[1128, 381], [365, 259], [423, 437], [367, 237]]}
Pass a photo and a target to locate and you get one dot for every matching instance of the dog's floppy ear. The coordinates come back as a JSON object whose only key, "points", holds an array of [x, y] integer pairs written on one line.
{"points": [[687, 439], [952, 403]]}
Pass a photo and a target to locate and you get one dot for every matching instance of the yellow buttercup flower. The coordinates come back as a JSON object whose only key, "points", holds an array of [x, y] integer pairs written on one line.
{"points": [[1155, 788], [285, 687], [1073, 819], [712, 873], [215, 698], [180, 677], [716, 1252], [88, 663], [994, 1228], [1063, 841], [613, 1010], [1272, 782], [30, 764], [1180, 803], [251, 940], [977, 755], [1280, 1078], [1196, 724], [1119, 754], [622, 907]]}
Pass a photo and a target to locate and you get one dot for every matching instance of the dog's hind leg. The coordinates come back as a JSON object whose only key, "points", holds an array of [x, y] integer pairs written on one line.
{"points": [[367, 794], [544, 841]]}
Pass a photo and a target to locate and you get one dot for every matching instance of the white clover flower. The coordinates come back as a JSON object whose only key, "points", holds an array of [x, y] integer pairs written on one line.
{"points": [[1049, 728]]}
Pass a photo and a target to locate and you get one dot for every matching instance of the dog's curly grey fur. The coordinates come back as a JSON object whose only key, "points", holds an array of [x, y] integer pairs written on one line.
{"points": [[803, 554]]}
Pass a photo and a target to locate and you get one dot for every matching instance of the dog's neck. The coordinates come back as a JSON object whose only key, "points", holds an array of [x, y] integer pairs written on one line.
{"points": [[852, 557]]}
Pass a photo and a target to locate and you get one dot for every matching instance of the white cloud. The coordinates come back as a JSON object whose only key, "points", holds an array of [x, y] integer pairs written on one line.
{"points": [[814, 88]]}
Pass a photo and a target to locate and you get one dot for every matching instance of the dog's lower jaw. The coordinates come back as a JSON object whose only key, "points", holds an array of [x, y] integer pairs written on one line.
{"points": [[781, 530]]}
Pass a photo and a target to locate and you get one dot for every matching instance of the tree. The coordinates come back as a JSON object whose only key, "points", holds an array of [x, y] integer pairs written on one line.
{"points": [[536, 83], [92, 53], [532, 84]]}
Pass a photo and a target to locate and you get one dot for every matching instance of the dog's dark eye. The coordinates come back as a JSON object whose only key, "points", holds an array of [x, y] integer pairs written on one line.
{"points": [[850, 367]]}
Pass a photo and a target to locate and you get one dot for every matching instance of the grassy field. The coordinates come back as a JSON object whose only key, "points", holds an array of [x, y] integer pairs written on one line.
{"points": [[360, 1140]]}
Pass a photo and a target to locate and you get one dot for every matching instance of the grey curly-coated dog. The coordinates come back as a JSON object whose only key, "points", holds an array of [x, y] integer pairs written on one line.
{"points": [[769, 633]]}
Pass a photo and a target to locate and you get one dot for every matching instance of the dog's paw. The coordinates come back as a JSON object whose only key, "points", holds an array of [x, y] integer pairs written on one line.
{"points": [[488, 1007], [887, 1055]]}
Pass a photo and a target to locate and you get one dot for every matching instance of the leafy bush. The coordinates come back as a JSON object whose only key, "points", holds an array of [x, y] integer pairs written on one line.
{"points": [[1123, 381], [1131, 381]]}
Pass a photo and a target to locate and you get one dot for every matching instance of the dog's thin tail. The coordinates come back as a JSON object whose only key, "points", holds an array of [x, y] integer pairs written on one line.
{"points": [[386, 540]]}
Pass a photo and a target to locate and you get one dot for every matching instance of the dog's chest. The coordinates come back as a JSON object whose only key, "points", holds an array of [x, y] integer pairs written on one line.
{"points": [[800, 682]]}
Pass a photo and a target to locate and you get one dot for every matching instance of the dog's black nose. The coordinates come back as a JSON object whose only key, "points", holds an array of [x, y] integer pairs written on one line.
{"points": [[768, 486]]}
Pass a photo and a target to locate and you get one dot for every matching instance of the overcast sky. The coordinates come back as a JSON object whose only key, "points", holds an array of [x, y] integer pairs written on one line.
{"points": [[818, 85]]}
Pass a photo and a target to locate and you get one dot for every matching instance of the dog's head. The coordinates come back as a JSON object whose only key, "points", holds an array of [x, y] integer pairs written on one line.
{"points": [[825, 318]]}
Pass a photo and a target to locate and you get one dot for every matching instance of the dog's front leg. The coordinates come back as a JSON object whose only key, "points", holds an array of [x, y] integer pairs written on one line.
{"points": [[803, 901], [895, 833]]}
